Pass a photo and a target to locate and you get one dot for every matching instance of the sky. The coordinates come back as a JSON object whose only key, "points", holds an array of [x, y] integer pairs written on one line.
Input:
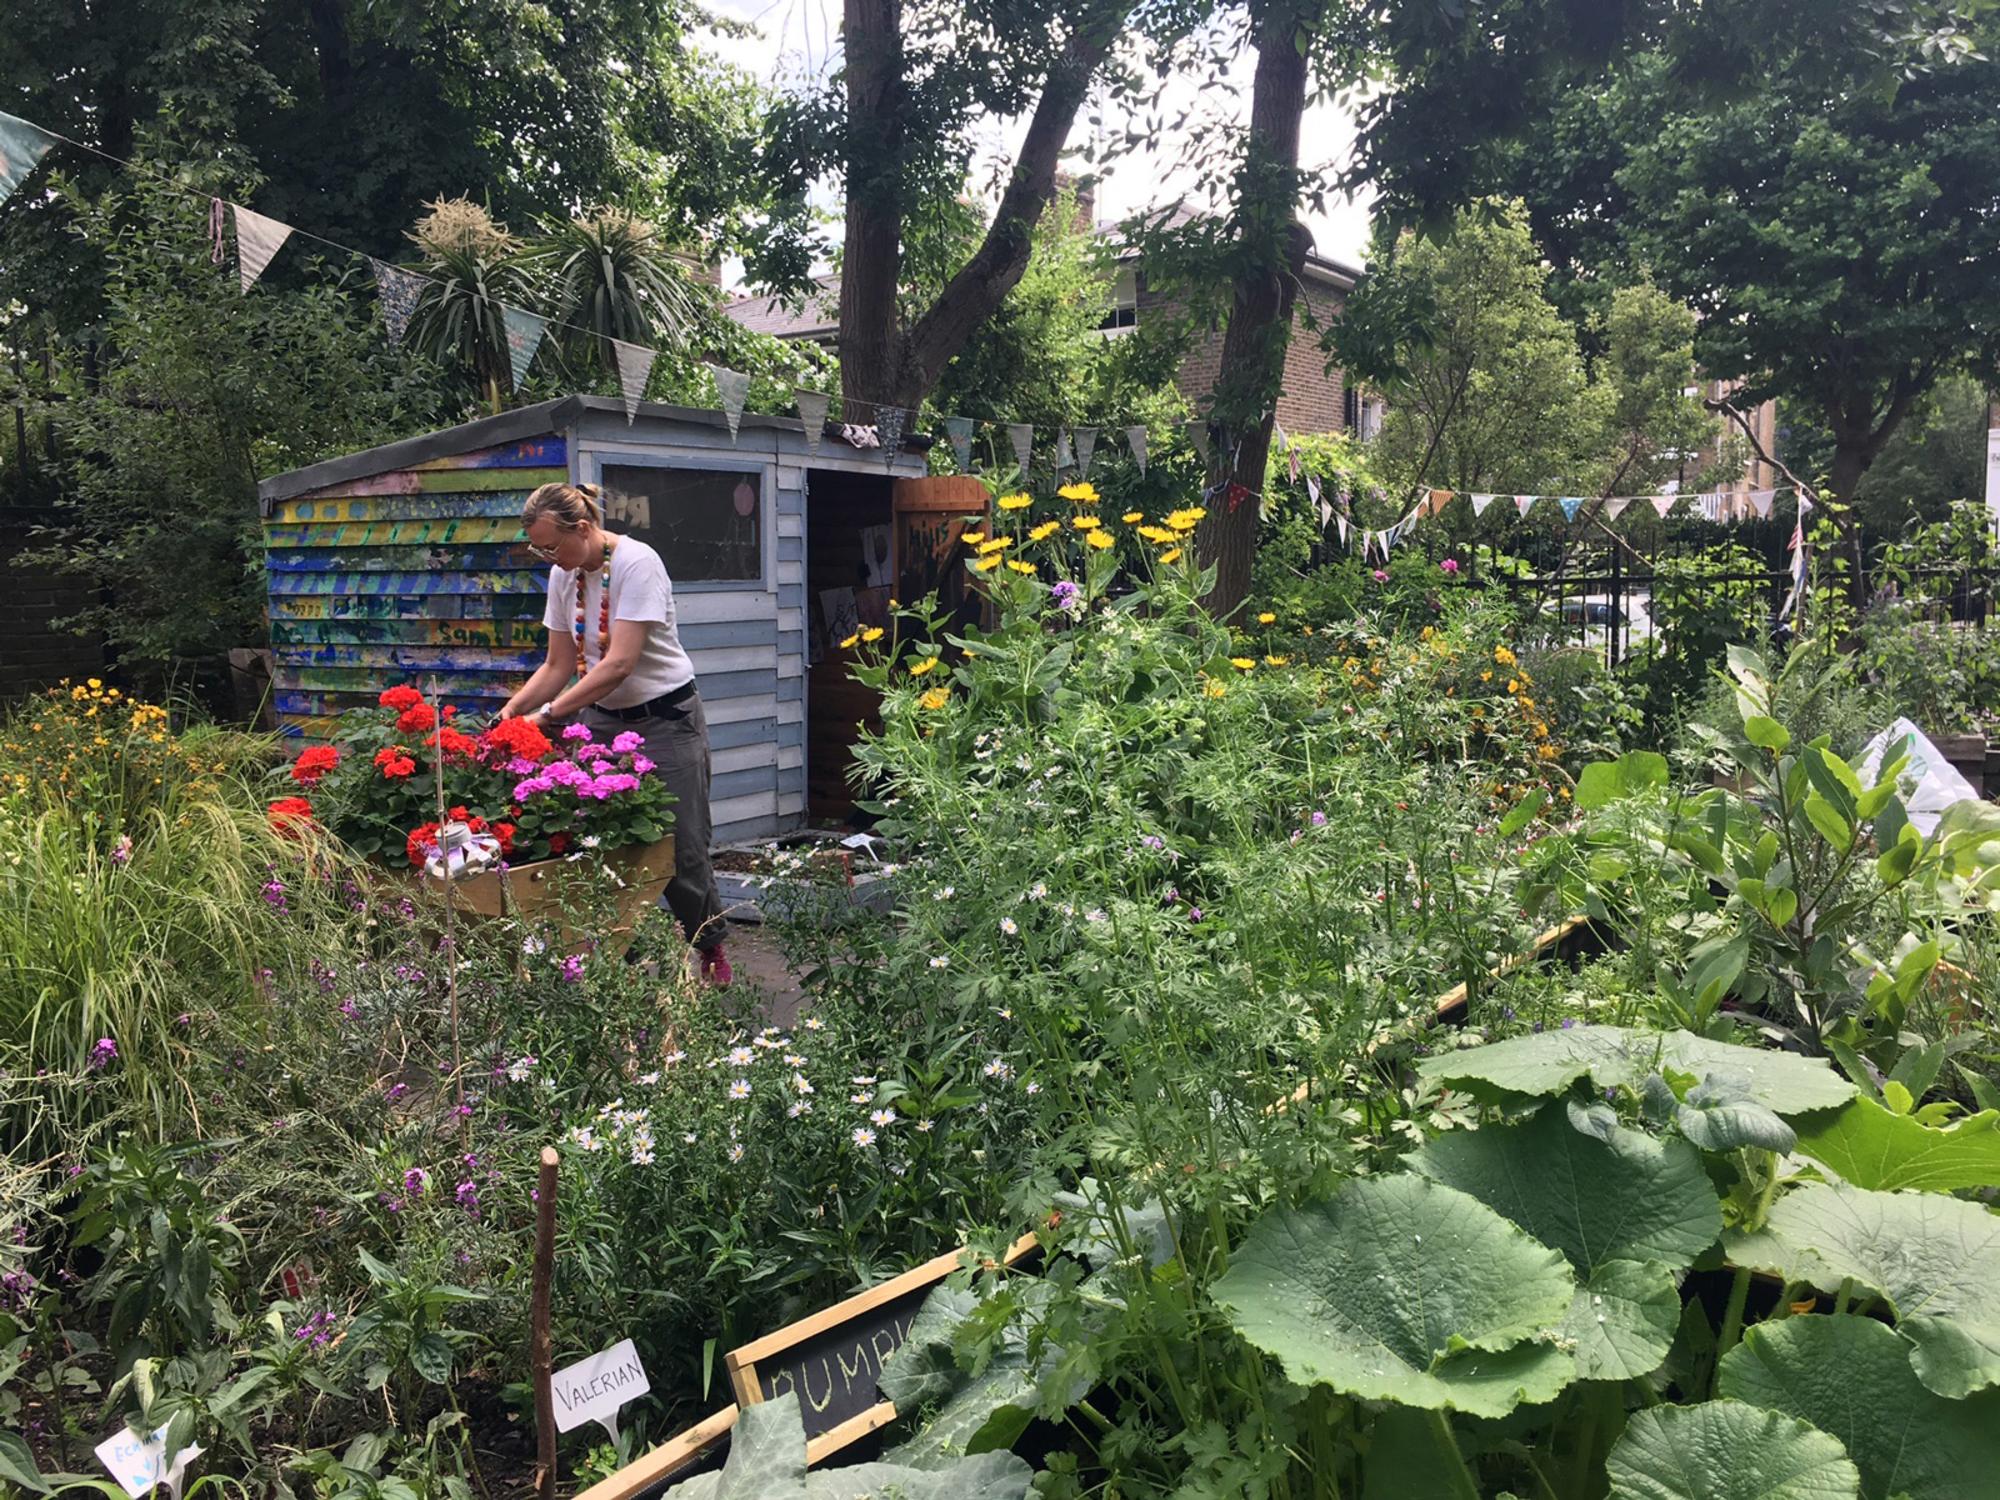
{"points": [[797, 37]]}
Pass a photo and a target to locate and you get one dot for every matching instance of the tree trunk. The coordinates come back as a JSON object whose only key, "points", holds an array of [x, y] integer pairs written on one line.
{"points": [[1271, 248], [872, 258]]}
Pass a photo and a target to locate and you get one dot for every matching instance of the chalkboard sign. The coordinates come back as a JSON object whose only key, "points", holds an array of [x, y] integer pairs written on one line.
{"points": [[834, 1358], [699, 1449]]}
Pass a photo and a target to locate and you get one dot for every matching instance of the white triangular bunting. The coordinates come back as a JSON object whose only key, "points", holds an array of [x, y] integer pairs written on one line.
{"points": [[812, 407], [1135, 439], [1312, 488], [635, 366], [524, 336], [22, 145], [257, 240], [1760, 502], [1340, 522], [1613, 509], [1198, 435], [1064, 458], [1525, 503], [1022, 436], [1663, 503], [1479, 504], [732, 387], [1086, 449]]}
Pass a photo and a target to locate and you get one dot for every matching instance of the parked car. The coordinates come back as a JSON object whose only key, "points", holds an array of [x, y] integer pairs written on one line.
{"points": [[1594, 619]]}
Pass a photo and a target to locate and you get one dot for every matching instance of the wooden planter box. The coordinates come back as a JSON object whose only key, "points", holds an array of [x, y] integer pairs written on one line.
{"points": [[1967, 755], [533, 892]]}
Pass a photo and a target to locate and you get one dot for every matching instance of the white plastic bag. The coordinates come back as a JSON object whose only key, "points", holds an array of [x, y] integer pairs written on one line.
{"points": [[1928, 784]]}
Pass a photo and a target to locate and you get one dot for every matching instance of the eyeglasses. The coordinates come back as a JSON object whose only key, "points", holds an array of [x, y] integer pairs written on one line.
{"points": [[546, 554]]}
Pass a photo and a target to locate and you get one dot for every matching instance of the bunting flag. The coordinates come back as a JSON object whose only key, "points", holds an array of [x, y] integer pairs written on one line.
{"points": [[1435, 501], [21, 146], [397, 293], [1064, 458], [1613, 509], [1022, 436], [959, 430], [889, 425], [1663, 503], [1312, 488], [1198, 435], [1135, 439], [1525, 503], [635, 367], [257, 240], [524, 336], [812, 407], [733, 387], [1479, 504], [1571, 504], [1086, 449], [1760, 502], [1340, 521]]}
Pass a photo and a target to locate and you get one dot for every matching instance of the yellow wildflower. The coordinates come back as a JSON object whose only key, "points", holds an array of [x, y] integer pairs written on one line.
{"points": [[872, 633], [1214, 689], [1503, 656], [1158, 534], [1083, 492], [1020, 567], [936, 698], [987, 564], [1267, 618], [1187, 519], [1100, 539], [1277, 661], [1171, 555], [1085, 523], [1486, 676], [972, 538], [1044, 531], [1243, 663], [998, 544], [848, 644], [922, 665], [1133, 517], [1513, 686], [1016, 502]]}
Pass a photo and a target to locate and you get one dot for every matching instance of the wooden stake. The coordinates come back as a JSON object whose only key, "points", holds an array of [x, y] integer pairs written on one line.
{"points": [[540, 1363], [450, 943]]}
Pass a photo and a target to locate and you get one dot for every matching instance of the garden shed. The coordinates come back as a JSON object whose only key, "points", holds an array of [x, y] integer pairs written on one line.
{"points": [[406, 561]]}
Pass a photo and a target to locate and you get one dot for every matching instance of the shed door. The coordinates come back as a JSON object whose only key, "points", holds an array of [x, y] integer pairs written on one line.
{"points": [[931, 516]]}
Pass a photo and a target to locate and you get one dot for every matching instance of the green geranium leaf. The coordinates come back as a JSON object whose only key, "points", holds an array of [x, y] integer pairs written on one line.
{"points": [[1400, 1289], [1621, 1324], [1724, 1450], [1935, 1259], [1872, 1147], [1617, 1057], [1627, 1211], [1904, 1439]]}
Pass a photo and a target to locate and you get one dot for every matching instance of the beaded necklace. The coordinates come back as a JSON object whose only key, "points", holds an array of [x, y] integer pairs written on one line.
{"points": [[603, 610]]}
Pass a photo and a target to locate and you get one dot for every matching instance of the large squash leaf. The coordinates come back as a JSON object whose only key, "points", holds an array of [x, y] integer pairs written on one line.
{"points": [[1724, 1450], [1851, 1377], [1935, 1259], [1626, 1210], [1873, 1147], [1619, 1057], [1400, 1289]]}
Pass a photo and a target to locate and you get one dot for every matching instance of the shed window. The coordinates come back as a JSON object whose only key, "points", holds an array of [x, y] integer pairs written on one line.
{"points": [[706, 524]]}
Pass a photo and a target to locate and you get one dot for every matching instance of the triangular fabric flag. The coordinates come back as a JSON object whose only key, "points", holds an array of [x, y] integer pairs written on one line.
{"points": [[1525, 503], [812, 407], [1479, 504], [257, 240], [1135, 439], [1086, 449], [733, 387], [1760, 501], [1340, 521], [1392, 536], [524, 336], [1198, 435], [1437, 501], [1022, 436], [397, 293], [635, 366], [1312, 488], [21, 146], [1571, 504], [959, 430], [1663, 503], [889, 423], [1613, 509], [1064, 458]]}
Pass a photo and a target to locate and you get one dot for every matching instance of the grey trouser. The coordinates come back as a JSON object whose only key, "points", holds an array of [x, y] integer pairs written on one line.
{"points": [[677, 744]]}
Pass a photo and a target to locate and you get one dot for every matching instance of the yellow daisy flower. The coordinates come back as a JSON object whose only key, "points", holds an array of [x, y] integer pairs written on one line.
{"points": [[1044, 531], [1100, 539], [848, 644], [922, 665], [972, 538], [998, 544], [1133, 517], [1083, 492], [1214, 689], [987, 564], [872, 633], [1267, 618], [1243, 663], [1016, 502], [1020, 567], [1171, 555], [1085, 523], [936, 698], [1277, 661], [1157, 534], [1186, 519]]}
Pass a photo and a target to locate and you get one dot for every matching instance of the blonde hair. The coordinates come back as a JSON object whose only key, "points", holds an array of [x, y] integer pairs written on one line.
{"points": [[570, 506]]}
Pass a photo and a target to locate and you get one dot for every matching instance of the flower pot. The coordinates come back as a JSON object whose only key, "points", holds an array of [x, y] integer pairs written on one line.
{"points": [[533, 893]]}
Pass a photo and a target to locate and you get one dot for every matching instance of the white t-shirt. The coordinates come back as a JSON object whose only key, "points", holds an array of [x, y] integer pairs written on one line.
{"points": [[640, 590]]}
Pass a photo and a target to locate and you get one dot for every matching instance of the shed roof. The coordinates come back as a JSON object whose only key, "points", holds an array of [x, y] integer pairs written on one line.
{"points": [[509, 426]]}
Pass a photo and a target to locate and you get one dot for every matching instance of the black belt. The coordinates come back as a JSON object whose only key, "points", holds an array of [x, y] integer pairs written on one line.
{"points": [[652, 708]]}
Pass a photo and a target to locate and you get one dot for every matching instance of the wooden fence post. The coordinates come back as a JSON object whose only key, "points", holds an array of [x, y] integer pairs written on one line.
{"points": [[539, 1359]]}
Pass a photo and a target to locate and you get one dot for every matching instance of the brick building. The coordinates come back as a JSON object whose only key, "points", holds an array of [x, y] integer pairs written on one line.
{"points": [[1314, 399]]}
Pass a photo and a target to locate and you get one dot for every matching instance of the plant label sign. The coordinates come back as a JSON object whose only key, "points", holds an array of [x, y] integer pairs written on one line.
{"points": [[139, 1463], [592, 1390]]}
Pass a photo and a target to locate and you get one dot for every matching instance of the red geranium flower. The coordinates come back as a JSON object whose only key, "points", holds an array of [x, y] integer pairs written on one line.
{"points": [[314, 763], [518, 737], [400, 697], [505, 833], [453, 743], [287, 814], [394, 761], [424, 834], [558, 843], [416, 718]]}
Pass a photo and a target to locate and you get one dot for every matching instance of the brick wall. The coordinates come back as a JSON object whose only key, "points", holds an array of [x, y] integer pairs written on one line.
{"points": [[1312, 397], [31, 654]]}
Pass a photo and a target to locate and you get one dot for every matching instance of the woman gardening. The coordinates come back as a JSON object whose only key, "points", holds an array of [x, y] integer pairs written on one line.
{"points": [[616, 665]]}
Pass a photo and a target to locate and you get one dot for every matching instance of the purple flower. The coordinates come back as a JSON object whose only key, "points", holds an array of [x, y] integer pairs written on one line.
{"points": [[1319, 820], [1067, 597], [572, 969], [121, 852], [520, 765], [641, 766], [1380, 576], [415, 1181], [629, 741], [1450, 565], [1194, 913], [103, 1054], [397, 1090], [533, 785], [274, 893], [576, 731]]}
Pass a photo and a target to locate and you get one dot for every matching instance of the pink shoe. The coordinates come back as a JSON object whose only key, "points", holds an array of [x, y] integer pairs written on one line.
{"points": [[715, 967]]}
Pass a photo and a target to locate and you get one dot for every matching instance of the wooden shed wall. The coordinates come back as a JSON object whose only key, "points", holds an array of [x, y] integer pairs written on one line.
{"points": [[402, 575]]}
